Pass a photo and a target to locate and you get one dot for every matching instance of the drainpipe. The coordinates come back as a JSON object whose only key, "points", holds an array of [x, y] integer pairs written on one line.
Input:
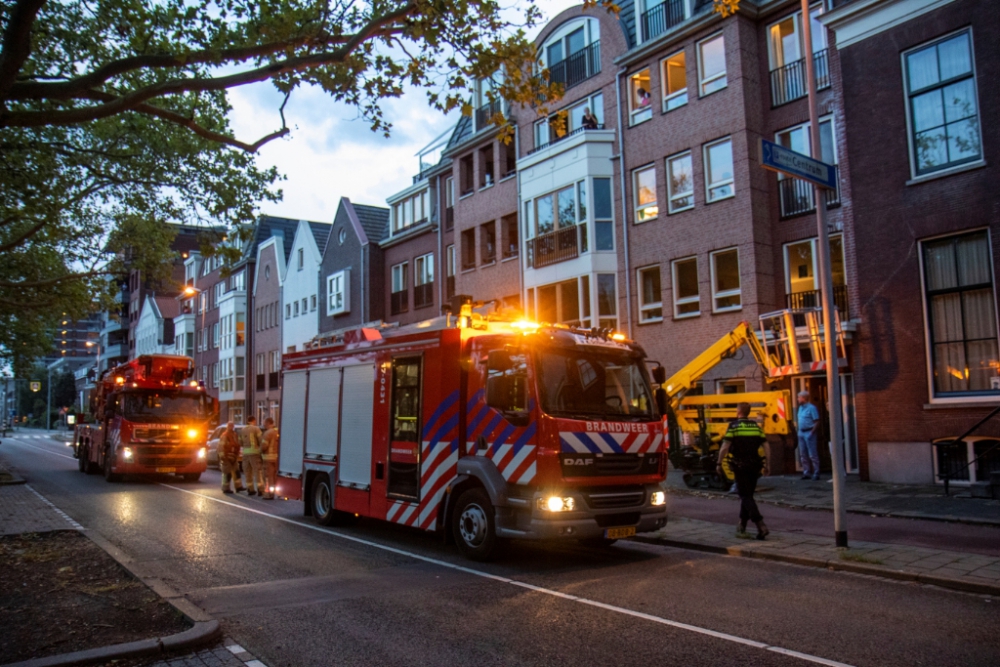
{"points": [[362, 277], [517, 218], [442, 263], [621, 169]]}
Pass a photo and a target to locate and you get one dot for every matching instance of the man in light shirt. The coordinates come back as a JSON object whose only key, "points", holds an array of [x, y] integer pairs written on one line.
{"points": [[807, 419]]}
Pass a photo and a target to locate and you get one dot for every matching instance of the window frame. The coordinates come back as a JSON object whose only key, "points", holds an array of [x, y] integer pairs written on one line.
{"points": [[653, 305], [399, 270], [342, 277], [716, 295], [702, 81], [636, 207], [423, 269], [637, 113], [683, 301], [953, 397], [707, 169], [668, 175], [908, 96], [668, 98]]}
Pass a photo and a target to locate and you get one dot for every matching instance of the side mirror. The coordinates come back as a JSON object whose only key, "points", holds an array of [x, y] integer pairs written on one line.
{"points": [[499, 361], [498, 392], [660, 395], [659, 374]]}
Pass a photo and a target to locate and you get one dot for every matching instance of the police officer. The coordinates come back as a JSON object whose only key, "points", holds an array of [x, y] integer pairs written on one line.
{"points": [[743, 438]]}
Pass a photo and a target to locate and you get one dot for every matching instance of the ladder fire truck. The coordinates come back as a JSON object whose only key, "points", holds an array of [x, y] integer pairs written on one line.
{"points": [[788, 342], [150, 418], [480, 428]]}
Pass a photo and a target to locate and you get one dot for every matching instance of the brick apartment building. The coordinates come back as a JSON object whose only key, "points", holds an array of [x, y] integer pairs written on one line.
{"points": [[265, 350], [653, 216], [921, 119]]}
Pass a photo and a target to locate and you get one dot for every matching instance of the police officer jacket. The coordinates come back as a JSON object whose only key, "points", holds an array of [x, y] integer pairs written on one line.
{"points": [[745, 437]]}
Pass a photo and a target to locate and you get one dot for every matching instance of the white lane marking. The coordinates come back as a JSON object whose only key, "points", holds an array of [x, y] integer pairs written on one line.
{"points": [[538, 589], [42, 449], [58, 511]]}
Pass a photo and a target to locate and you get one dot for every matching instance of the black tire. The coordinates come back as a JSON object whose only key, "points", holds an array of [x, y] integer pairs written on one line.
{"points": [[191, 476], [108, 475], [321, 501], [474, 525], [597, 542]]}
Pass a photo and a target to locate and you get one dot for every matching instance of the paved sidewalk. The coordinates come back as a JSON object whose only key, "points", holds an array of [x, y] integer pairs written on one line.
{"points": [[226, 653], [897, 500], [950, 569], [23, 510]]}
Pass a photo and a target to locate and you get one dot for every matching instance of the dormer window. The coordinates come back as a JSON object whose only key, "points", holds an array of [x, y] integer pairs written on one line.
{"points": [[572, 53]]}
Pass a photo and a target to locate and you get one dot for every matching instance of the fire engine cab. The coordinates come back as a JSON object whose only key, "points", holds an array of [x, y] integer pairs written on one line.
{"points": [[151, 418], [478, 427]]}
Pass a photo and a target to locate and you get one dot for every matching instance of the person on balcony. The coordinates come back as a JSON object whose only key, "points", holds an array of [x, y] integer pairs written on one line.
{"points": [[589, 121]]}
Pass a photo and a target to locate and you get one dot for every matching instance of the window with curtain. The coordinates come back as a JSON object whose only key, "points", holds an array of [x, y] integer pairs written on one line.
{"points": [[961, 313], [943, 108]]}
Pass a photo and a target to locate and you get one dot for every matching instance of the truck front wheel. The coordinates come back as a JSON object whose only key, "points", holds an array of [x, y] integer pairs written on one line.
{"points": [[108, 475], [474, 525]]}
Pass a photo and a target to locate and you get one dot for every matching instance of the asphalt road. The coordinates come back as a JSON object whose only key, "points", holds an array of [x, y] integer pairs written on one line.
{"points": [[296, 594]]}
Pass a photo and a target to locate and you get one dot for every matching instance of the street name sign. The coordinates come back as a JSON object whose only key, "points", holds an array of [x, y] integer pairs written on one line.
{"points": [[797, 165]]}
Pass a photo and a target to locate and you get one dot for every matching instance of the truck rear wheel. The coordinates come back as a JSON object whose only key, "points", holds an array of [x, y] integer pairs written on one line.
{"points": [[321, 498], [108, 475], [82, 461], [474, 525]]}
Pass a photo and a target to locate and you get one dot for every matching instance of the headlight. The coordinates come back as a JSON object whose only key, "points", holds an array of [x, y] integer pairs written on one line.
{"points": [[127, 453], [657, 498], [193, 434], [556, 504], [202, 452]]}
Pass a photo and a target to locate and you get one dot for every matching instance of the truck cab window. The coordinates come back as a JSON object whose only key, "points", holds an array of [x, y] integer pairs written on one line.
{"points": [[593, 385], [507, 381], [404, 446]]}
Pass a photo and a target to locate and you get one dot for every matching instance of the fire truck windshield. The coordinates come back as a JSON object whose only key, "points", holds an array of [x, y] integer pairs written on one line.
{"points": [[588, 385], [165, 406]]}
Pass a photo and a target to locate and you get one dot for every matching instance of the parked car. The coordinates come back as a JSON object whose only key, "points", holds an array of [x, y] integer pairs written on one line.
{"points": [[213, 444]]}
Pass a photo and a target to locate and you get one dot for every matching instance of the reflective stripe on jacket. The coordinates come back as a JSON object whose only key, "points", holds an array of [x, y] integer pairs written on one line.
{"points": [[250, 437]]}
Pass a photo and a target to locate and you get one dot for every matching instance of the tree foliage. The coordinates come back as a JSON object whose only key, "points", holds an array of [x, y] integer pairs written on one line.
{"points": [[114, 120]]}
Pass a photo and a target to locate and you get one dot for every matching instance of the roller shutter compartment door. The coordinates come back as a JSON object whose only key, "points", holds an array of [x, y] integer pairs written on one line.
{"points": [[355, 463], [323, 417], [293, 422]]}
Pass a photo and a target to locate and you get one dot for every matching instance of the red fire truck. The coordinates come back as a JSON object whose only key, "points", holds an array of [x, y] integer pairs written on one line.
{"points": [[150, 418], [484, 431]]}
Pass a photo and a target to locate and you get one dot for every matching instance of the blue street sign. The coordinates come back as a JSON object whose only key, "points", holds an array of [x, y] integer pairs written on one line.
{"points": [[790, 163]]}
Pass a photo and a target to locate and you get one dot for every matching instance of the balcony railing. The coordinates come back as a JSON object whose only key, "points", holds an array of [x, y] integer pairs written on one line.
{"points": [[423, 295], [449, 218], [789, 82], [813, 299], [554, 247], [487, 111], [578, 67], [796, 197], [399, 302], [661, 18], [553, 140]]}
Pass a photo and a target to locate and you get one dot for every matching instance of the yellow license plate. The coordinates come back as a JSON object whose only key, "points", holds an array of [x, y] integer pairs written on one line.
{"points": [[618, 533], [175, 470]]}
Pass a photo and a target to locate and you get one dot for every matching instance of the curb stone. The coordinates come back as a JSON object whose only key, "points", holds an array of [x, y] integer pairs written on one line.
{"points": [[839, 565], [204, 631]]}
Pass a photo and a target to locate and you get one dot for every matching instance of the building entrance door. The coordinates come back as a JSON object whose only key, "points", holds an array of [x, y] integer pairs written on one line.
{"points": [[816, 386]]}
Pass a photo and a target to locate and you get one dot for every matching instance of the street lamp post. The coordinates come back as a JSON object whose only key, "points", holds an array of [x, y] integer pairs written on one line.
{"points": [[826, 291], [48, 402]]}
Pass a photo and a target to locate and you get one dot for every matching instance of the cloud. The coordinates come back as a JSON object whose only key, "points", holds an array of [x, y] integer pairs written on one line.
{"points": [[331, 152]]}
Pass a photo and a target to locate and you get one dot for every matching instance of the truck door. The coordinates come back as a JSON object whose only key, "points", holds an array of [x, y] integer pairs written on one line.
{"points": [[404, 429], [293, 418], [354, 465]]}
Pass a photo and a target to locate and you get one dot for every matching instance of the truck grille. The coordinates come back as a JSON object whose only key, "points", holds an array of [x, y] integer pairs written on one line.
{"points": [[164, 457], [156, 435], [611, 499], [617, 465]]}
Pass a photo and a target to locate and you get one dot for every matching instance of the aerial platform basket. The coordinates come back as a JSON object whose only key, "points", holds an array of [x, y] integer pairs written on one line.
{"points": [[793, 341]]}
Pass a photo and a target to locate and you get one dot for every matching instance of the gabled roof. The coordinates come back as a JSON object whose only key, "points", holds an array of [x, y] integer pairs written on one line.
{"points": [[266, 227], [374, 220], [320, 232], [168, 306], [463, 130], [280, 255]]}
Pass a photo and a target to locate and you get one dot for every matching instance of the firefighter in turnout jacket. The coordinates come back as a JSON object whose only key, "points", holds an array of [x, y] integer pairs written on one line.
{"points": [[269, 454], [229, 455], [253, 474], [743, 440]]}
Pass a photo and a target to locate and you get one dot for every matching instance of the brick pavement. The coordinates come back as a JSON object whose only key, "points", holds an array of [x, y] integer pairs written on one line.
{"points": [[910, 501], [226, 653], [951, 569], [24, 510]]}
